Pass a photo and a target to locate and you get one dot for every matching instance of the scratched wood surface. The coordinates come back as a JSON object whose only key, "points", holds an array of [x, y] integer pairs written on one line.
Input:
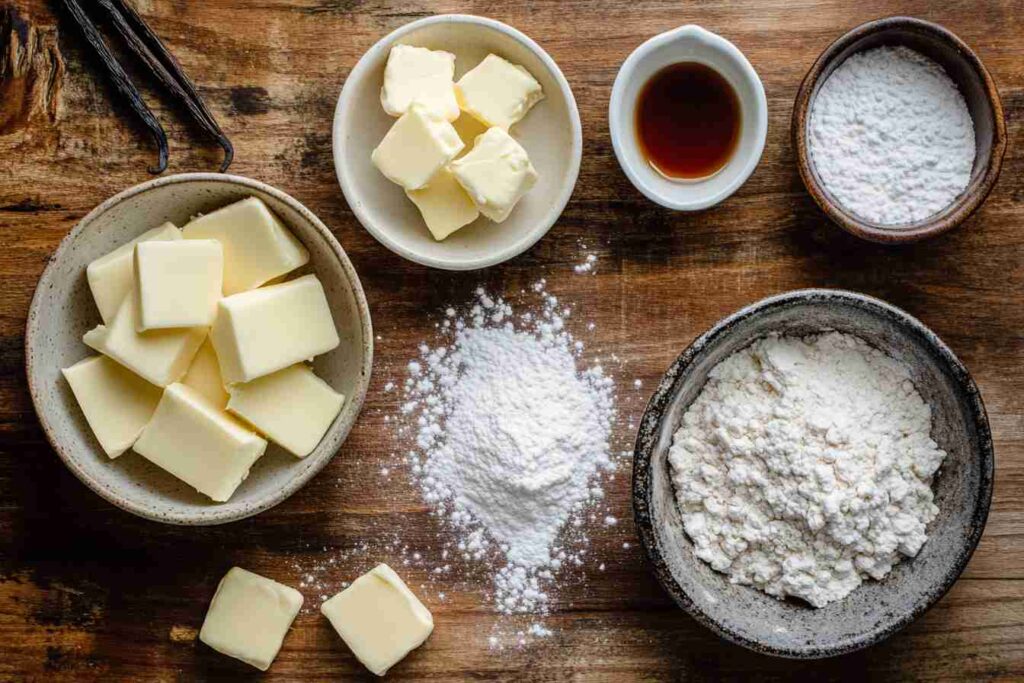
{"points": [[90, 592]]}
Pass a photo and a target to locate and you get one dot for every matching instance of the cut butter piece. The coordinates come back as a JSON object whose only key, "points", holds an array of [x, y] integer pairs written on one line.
{"points": [[379, 619], [291, 407], [257, 245], [110, 276], [267, 329], [199, 443], [117, 403], [177, 284], [249, 617], [204, 376], [496, 173], [444, 205], [416, 74], [416, 147], [498, 92]]}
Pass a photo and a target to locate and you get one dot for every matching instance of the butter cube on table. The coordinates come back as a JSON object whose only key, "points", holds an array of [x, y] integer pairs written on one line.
{"points": [[379, 619], [267, 329], [416, 74], [116, 402], [199, 443], [496, 173], [416, 147], [249, 617], [204, 376], [444, 205], [498, 92], [178, 284], [257, 245], [291, 407], [110, 276]]}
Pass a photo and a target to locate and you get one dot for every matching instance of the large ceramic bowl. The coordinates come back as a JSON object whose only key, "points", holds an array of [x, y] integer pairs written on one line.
{"points": [[875, 610], [63, 309]]}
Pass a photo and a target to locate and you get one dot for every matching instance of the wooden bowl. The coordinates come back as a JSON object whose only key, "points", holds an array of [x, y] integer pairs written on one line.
{"points": [[977, 87]]}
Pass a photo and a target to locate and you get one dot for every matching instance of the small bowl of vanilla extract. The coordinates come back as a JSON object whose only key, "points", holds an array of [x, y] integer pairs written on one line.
{"points": [[688, 118]]}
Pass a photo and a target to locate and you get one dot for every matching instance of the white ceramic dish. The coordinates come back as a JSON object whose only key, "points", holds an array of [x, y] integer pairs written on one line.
{"points": [[688, 44], [62, 310], [550, 133]]}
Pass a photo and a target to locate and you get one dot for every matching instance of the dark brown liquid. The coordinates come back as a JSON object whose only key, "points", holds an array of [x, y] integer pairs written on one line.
{"points": [[687, 120]]}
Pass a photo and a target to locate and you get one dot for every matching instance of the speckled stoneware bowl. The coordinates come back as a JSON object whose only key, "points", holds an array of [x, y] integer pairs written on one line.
{"points": [[875, 610], [62, 310]]}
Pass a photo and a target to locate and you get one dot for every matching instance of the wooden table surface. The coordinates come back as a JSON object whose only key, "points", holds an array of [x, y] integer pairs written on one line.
{"points": [[88, 591]]}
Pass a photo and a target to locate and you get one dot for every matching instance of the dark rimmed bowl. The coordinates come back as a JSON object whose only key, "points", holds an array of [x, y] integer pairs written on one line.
{"points": [[875, 610], [978, 89]]}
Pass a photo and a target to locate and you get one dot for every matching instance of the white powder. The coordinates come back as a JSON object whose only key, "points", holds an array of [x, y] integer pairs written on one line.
{"points": [[804, 466], [891, 136]]}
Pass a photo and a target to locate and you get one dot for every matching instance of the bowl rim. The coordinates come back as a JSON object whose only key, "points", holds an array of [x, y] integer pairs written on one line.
{"points": [[656, 411], [214, 514], [381, 233], [950, 217]]}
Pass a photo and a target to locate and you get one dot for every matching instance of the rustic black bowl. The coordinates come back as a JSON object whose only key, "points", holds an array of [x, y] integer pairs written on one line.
{"points": [[875, 610]]}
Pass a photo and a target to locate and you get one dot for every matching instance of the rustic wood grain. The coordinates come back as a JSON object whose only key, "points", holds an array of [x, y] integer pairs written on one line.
{"points": [[88, 592]]}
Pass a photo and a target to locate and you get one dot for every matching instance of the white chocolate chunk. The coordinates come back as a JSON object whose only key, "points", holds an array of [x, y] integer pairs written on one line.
{"points": [[292, 407], [177, 284], [110, 276], [257, 245], [416, 147], [267, 329], [204, 376], [117, 403], [444, 205], [199, 443], [496, 173], [379, 619], [498, 92], [416, 74], [249, 617]]}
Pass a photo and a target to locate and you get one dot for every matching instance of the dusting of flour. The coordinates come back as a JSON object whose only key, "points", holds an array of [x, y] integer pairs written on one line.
{"points": [[804, 466]]}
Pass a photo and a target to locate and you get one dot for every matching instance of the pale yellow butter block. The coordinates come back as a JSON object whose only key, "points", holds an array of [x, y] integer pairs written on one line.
{"points": [[178, 284], [267, 329], [249, 617], [469, 129], [110, 276], [379, 619], [498, 92], [199, 443], [495, 174], [416, 147], [117, 403], [291, 407], [257, 245], [444, 205], [204, 376], [426, 77]]}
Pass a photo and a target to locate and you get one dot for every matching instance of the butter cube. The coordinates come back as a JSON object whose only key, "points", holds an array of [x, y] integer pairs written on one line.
{"points": [[444, 205], [416, 74], [267, 329], [198, 443], [158, 356], [416, 148], [257, 245], [110, 276], [204, 376], [117, 403], [379, 619], [291, 407], [177, 284], [249, 617], [498, 92], [496, 173]]}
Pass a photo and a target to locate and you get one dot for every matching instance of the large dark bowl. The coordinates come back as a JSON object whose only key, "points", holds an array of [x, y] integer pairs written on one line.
{"points": [[877, 609]]}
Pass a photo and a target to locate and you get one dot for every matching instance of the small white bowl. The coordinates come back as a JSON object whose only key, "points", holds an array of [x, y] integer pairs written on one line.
{"points": [[550, 133], [688, 43]]}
